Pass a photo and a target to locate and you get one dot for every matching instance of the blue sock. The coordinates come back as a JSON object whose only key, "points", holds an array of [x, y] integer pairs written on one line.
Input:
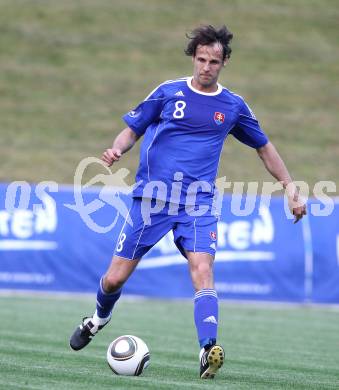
{"points": [[206, 316], [106, 301]]}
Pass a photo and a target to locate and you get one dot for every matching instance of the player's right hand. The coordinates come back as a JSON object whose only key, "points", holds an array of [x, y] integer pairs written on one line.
{"points": [[110, 156]]}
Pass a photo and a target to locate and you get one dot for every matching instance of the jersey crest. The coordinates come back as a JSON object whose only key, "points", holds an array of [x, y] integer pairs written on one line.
{"points": [[213, 236], [219, 118]]}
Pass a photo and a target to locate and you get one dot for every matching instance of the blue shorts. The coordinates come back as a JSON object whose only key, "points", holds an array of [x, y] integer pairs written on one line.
{"points": [[191, 233]]}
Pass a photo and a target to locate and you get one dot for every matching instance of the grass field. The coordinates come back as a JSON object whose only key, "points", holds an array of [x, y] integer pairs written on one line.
{"points": [[267, 347], [69, 69]]}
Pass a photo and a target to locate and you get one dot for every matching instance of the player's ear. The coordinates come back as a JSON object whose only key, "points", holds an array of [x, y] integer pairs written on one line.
{"points": [[225, 61]]}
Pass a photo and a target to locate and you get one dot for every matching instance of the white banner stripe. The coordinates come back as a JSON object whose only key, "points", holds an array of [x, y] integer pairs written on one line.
{"points": [[244, 256], [161, 261], [22, 245], [221, 256]]}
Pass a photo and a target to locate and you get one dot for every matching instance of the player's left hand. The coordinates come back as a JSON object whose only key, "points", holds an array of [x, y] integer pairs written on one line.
{"points": [[297, 206], [299, 212]]}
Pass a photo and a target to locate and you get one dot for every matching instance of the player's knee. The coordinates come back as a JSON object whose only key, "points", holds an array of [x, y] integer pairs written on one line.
{"points": [[203, 270], [113, 282]]}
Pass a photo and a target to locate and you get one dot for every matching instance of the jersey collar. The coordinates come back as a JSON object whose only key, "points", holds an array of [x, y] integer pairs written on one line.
{"points": [[190, 86]]}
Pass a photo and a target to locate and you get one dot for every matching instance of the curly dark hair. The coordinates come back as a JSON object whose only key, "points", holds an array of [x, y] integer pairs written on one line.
{"points": [[207, 35]]}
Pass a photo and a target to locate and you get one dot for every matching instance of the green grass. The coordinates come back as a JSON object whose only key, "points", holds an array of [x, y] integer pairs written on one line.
{"points": [[267, 347], [69, 70]]}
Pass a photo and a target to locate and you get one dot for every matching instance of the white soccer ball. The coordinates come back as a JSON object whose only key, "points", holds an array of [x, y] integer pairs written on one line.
{"points": [[128, 355]]}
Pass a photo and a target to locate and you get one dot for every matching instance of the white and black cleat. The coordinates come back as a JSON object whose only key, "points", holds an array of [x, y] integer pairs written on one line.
{"points": [[84, 333], [210, 361]]}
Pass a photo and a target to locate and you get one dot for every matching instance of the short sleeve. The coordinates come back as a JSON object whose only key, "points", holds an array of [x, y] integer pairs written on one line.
{"points": [[146, 112], [247, 129]]}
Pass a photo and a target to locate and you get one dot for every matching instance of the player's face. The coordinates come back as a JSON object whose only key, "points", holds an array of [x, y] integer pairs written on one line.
{"points": [[207, 64]]}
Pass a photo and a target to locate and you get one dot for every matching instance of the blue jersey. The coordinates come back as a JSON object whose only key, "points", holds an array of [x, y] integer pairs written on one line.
{"points": [[184, 130]]}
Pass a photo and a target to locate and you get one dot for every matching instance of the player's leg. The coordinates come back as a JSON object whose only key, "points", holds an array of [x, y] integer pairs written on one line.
{"points": [[109, 290], [205, 301], [197, 241], [108, 293], [205, 312], [110, 287], [134, 241]]}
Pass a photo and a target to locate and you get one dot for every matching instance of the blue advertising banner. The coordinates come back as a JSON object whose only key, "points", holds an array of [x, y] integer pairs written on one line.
{"points": [[55, 238], [323, 255]]}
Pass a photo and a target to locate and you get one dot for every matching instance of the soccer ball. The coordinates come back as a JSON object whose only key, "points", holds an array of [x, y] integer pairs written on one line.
{"points": [[128, 355]]}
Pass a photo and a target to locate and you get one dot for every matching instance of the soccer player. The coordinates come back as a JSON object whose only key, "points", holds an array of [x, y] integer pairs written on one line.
{"points": [[184, 124]]}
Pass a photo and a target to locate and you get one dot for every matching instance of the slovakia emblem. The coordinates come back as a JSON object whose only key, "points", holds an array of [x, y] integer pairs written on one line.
{"points": [[219, 118], [213, 236]]}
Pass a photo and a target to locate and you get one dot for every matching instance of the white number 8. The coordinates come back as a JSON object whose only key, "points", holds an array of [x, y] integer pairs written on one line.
{"points": [[121, 241], [179, 109]]}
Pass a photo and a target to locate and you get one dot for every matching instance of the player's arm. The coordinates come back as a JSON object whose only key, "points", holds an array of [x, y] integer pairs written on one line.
{"points": [[122, 143], [137, 120], [276, 167]]}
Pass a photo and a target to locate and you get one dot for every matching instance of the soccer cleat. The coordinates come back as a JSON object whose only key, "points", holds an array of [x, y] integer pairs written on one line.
{"points": [[84, 333], [210, 361]]}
